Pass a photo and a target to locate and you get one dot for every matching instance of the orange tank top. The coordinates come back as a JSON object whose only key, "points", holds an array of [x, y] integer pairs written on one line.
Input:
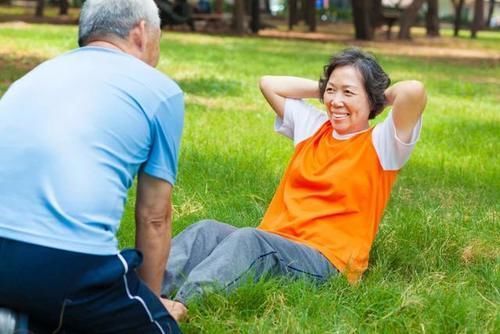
{"points": [[332, 198]]}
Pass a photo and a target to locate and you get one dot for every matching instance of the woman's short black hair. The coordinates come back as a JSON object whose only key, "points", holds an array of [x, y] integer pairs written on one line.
{"points": [[375, 79]]}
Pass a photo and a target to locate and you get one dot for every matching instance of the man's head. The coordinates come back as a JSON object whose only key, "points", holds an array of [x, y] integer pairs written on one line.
{"points": [[132, 24]]}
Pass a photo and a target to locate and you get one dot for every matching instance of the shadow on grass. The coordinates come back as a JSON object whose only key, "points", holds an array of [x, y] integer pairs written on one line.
{"points": [[211, 87], [235, 189], [443, 209], [14, 67], [62, 20]]}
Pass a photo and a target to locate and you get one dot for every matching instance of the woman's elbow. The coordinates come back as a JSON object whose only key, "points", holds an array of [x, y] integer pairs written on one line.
{"points": [[265, 83], [417, 93], [418, 89]]}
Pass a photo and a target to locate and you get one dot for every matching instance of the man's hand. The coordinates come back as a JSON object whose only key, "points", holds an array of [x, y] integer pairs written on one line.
{"points": [[177, 310]]}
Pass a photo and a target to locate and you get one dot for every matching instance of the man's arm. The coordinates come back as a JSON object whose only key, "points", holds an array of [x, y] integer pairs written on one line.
{"points": [[408, 99], [153, 215], [277, 88]]}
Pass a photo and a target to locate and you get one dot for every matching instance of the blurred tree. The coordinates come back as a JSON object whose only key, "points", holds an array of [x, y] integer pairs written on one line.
{"points": [[432, 18], [490, 13], [219, 6], [63, 7], [255, 14], [293, 18], [408, 19], [302, 10], [458, 5], [267, 6], [478, 21], [40, 6], [238, 23], [310, 14], [362, 18], [377, 19]]}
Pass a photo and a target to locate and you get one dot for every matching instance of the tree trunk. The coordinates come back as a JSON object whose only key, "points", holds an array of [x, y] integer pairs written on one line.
{"points": [[292, 14], [377, 19], [255, 22], [40, 5], [478, 22], [408, 18], [219, 6], [432, 18], [361, 12], [458, 16], [267, 6], [63, 7], [302, 11], [310, 12], [239, 17], [490, 13]]}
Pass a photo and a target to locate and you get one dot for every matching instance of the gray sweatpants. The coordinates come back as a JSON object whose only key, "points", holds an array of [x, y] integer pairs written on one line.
{"points": [[210, 254]]}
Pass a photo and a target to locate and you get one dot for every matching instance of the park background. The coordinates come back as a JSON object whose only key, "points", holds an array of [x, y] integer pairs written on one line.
{"points": [[435, 265]]}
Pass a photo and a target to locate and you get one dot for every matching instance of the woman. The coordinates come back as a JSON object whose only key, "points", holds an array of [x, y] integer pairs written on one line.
{"points": [[326, 211]]}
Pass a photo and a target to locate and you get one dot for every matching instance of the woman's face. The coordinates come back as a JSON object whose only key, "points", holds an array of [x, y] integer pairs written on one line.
{"points": [[346, 100]]}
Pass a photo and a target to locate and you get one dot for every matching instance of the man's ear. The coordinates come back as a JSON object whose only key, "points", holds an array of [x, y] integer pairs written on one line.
{"points": [[138, 35]]}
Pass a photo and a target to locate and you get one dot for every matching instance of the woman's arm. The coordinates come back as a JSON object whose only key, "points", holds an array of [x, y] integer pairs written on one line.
{"points": [[277, 88], [408, 99]]}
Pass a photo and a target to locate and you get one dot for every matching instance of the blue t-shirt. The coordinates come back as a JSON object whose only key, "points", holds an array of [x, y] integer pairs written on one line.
{"points": [[74, 132]]}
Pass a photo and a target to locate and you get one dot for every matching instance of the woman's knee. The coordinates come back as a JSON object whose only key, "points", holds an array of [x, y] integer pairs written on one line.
{"points": [[210, 227], [205, 224], [246, 236]]}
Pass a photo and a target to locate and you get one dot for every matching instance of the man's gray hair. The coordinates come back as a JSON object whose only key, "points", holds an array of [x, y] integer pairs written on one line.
{"points": [[101, 18]]}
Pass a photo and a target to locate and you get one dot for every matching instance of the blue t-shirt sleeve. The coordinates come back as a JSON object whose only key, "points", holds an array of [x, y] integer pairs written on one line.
{"points": [[166, 131]]}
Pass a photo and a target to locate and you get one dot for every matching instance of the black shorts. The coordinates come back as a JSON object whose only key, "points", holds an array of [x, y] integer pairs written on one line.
{"points": [[69, 292]]}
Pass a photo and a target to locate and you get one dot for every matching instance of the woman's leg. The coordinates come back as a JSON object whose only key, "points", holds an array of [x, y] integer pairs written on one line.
{"points": [[189, 248], [249, 252]]}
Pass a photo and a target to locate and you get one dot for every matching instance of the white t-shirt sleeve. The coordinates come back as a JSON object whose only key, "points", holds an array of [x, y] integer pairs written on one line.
{"points": [[392, 152], [300, 121]]}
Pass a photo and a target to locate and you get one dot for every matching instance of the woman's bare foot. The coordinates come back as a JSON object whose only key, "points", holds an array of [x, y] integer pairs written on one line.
{"points": [[177, 310]]}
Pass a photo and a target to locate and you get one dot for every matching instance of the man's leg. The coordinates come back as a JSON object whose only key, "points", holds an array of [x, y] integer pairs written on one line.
{"points": [[249, 252], [189, 248], [75, 292], [113, 299]]}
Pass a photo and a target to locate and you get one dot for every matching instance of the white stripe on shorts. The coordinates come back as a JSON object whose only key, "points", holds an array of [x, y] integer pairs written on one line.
{"points": [[125, 265]]}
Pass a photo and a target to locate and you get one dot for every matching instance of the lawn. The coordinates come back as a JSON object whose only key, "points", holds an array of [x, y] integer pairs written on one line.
{"points": [[435, 265]]}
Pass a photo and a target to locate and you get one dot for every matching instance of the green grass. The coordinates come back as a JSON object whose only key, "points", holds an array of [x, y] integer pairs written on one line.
{"points": [[435, 263]]}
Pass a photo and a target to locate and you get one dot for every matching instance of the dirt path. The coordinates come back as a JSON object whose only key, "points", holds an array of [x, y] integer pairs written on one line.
{"points": [[444, 48]]}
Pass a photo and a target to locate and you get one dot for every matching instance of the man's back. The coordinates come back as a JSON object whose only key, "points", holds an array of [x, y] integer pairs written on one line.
{"points": [[70, 151]]}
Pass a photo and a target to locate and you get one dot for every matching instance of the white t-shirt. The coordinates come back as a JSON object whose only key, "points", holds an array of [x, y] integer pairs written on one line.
{"points": [[301, 120]]}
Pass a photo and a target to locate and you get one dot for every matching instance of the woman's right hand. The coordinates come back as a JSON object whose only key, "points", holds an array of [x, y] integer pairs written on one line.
{"points": [[277, 88]]}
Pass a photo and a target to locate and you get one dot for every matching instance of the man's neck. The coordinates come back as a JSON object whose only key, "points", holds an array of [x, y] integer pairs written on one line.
{"points": [[118, 44], [107, 44]]}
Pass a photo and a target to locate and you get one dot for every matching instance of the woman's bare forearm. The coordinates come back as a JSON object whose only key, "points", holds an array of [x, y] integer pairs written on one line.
{"points": [[277, 88]]}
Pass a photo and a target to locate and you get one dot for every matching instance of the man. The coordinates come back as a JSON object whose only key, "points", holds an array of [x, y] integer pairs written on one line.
{"points": [[74, 133]]}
